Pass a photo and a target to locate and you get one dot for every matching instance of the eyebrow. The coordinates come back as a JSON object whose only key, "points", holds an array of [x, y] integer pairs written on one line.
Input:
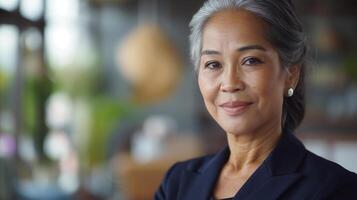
{"points": [[252, 47], [244, 48]]}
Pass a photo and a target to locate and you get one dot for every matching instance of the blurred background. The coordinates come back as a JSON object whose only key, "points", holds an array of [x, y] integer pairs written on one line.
{"points": [[98, 97]]}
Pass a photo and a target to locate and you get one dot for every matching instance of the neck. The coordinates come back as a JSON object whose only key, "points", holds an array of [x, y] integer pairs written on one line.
{"points": [[249, 150]]}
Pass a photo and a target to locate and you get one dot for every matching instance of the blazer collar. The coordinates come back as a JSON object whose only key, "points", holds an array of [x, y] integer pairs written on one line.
{"points": [[278, 172], [279, 167], [287, 155], [198, 183]]}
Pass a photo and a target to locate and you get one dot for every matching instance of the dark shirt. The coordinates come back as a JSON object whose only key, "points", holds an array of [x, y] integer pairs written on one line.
{"points": [[223, 199]]}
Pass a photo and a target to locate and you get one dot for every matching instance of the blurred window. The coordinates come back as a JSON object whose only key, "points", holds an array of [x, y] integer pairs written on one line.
{"points": [[9, 37], [8, 49], [31, 9], [9, 5], [62, 11], [62, 32]]}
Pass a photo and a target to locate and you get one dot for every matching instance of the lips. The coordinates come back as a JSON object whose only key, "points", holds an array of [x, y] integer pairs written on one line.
{"points": [[235, 107]]}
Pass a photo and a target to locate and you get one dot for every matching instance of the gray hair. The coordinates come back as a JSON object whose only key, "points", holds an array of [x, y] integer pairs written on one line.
{"points": [[285, 34]]}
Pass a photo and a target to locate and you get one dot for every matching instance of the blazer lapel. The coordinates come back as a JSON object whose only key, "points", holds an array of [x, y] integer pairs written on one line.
{"points": [[199, 184], [274, 187], [278, 172]]}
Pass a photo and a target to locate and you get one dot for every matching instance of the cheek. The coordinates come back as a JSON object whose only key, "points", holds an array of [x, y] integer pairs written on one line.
{"points": [[268, 88], [208, 91]]}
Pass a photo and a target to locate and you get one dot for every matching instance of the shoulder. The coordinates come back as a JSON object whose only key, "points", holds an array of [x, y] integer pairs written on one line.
{"points": [[323, 167], [330, 179], [170, 185], [193, 165]]}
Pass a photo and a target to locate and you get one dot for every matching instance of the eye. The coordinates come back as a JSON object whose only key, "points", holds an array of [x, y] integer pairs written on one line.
{"points": [[251, 61], [213, 65]]}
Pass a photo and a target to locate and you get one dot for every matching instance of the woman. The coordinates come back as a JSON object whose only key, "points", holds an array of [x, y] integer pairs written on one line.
{"points": [[250, 61]]}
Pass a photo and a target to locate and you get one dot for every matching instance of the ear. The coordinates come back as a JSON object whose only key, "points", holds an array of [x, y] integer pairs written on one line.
{"points": [[293, 76]]}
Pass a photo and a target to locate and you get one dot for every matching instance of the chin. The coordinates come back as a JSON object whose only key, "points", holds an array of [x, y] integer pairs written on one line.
{"points": [[237, 125], [236, 128]]}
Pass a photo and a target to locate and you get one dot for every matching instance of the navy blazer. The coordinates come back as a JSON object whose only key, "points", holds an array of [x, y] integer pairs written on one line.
{"points": [[289, 172]]}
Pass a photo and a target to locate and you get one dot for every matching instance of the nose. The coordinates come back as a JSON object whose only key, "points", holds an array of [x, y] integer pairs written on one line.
{"points": [[231, 81]]}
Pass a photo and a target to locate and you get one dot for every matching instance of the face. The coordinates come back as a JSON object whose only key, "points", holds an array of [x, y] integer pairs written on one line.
{"points": [[240, 75]]}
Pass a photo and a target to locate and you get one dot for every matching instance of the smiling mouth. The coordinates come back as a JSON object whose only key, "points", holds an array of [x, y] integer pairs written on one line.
{"points": [[234, 108]]}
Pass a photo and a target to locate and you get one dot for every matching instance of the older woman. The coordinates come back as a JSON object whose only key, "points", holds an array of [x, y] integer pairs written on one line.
{"points": [[249, 57]]}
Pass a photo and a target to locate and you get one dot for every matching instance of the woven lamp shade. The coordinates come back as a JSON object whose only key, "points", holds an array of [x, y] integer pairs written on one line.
{"points": [[151, 63]]}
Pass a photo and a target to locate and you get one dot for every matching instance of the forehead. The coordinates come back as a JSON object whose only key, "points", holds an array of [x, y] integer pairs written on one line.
{"points": [[235, 25]]}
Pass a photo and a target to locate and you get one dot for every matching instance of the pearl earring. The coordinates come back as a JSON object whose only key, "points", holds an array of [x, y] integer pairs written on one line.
{"points": [[290, 92]]}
